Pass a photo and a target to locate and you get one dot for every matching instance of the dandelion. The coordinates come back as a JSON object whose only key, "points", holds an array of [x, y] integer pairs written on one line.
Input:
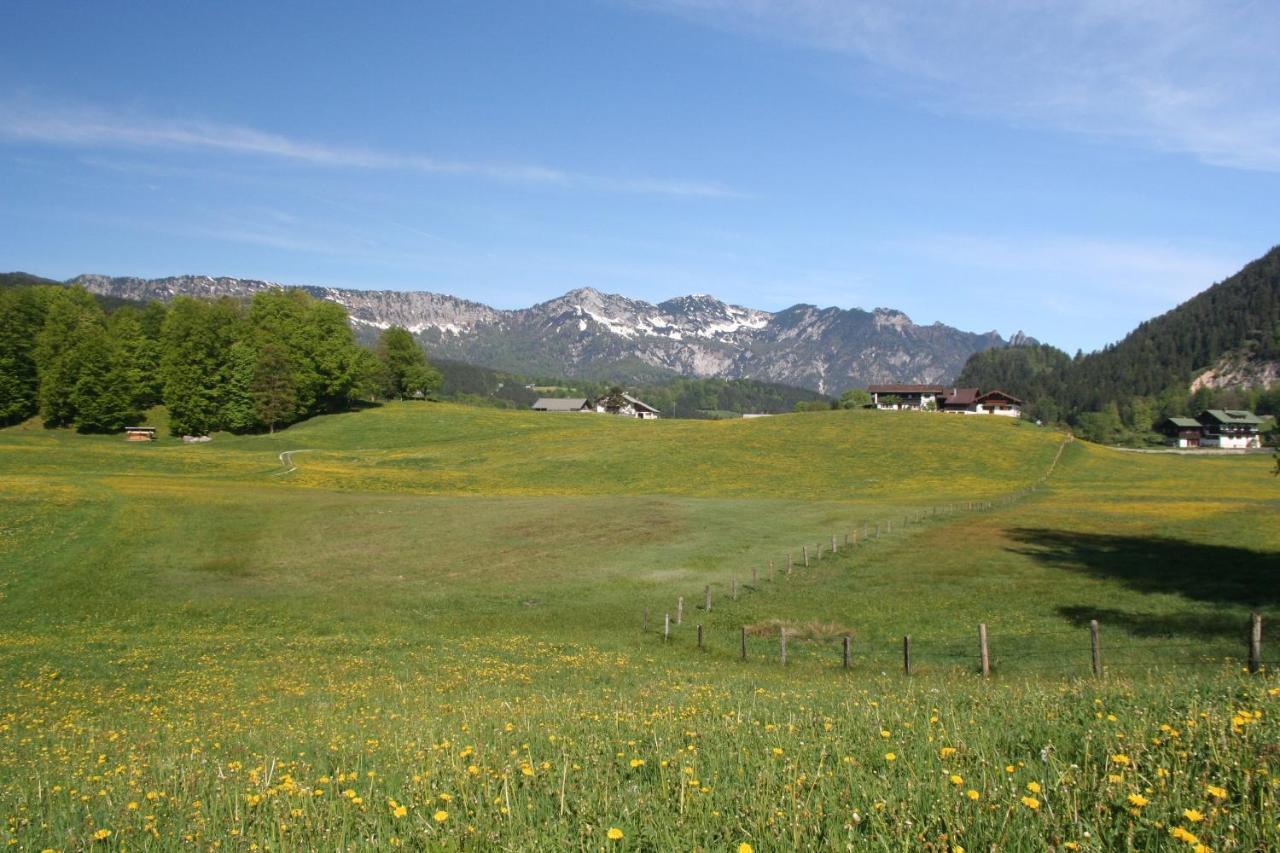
{"points": [[1033, 787], [614, 834], [102, 835], [956, 780], [1120, 759], [1183, 834], [1031, 803], [744, 847], [889, 756], [1193, 815], [637, 762], [972, 794], [399, 811], [947, 751], [1138, 800], [1216, 792], [777, 750], [885, 733], [1009, 768], [440, 816]]}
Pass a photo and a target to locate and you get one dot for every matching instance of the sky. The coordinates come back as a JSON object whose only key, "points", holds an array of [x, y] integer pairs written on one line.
{"points": [[1067, 169]]}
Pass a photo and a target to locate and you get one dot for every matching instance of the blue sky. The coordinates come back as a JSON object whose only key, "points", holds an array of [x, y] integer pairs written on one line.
{"points": [[1069, 169]]}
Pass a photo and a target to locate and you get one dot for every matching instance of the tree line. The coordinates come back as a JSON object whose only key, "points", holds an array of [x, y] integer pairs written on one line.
{"points": [[215, 364], [1120, 392]]}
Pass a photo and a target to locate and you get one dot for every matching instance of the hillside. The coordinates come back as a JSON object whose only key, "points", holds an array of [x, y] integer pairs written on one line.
{"points": [[592, 335], [1158, 360], [425, 625]]}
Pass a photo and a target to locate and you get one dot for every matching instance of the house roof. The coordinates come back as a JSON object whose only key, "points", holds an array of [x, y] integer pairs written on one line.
{"points": [[905, 389], [960, 397], [1184, 423], [999, 395], [639, 404], [1230, 416], [559, 404]]}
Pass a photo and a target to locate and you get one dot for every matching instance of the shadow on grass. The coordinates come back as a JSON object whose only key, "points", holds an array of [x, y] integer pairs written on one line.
{"points": [[1216, 574], [1213, 624]]}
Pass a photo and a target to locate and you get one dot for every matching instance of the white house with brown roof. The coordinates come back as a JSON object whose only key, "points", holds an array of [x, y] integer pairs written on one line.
{"points": [[905, 397]]}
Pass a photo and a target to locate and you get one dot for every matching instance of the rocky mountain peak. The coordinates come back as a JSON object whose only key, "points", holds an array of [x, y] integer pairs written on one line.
{"points": [[587, 332]]}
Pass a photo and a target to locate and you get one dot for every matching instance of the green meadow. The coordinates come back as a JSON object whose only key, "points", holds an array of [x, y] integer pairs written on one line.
{"points": [[441, 627]]}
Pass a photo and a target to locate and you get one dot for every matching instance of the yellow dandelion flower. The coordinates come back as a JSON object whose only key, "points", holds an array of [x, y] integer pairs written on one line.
{"points": [[637, 762], [972, 794], [1138, 800], [777, 750], [614, 834], [1033, 787], [1031, 803], [955, 779], [744, 847], [399, 811], [1009, 768], [440, 816], [1216, 792], [889, 756], [1193, 815], [102, 835], [1182, 834], [947, 751], [885, 733]]}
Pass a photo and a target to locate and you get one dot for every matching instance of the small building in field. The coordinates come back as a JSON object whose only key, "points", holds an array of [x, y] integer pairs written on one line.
{"points": [[630, 408], [1230, 428], [1181, 432], [999, 403], [905, 397], [563, 404], [140, 433]]}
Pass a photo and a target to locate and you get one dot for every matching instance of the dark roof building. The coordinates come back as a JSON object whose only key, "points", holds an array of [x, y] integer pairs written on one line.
{"points": [[563, 404]]}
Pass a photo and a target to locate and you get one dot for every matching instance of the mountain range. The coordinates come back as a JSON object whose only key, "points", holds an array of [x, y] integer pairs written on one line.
{"points": [[590, 334]]}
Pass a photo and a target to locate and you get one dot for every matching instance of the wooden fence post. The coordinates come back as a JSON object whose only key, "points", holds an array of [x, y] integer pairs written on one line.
{"points": [[699, 636], [833, 543], [906, 654], [735, 589], [788, 562], [646, 620], [666, 627], [782, 638], [805, 549], [847, 643], [707, 603], [744, 642], [1255, 642], [982, 648], [680, 610], [1095, 648]]}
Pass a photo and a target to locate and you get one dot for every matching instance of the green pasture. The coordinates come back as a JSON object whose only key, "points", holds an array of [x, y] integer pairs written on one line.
{"points": [[407, 581]]}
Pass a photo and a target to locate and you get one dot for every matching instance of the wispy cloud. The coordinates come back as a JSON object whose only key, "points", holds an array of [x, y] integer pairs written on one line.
{"points": [[81, 126], [1191, 76]]}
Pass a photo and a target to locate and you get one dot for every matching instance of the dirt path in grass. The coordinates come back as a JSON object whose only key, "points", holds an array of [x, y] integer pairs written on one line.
{"points": [[286, 461]]}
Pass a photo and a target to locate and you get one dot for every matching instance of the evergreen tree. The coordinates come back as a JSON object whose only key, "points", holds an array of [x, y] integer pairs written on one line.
{"points": [[275, 394], [405, 364]]}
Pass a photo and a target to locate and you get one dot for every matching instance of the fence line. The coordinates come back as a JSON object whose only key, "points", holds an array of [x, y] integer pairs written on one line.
{"points": [[989, 654]]}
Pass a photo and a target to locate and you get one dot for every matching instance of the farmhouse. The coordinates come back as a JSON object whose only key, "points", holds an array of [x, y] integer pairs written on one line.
{"points": [[1229, 428], [963, 401], [1182, 432], [140, 433], [905, 397], [563, 404], [630, 408]]}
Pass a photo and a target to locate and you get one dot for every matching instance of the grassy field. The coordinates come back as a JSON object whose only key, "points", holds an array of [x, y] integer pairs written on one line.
{"points": [[422, 625]]}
